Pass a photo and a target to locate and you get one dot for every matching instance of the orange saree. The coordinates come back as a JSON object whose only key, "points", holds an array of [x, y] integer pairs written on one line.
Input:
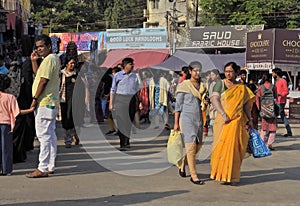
{"points": [[230, 140]]}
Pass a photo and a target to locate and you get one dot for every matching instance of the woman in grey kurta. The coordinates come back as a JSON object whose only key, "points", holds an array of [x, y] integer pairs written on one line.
{"points": [[188, 118]]}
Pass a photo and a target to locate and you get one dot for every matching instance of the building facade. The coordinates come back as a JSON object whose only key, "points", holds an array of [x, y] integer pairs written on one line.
{"points": [[175, 15], [161, 13]]}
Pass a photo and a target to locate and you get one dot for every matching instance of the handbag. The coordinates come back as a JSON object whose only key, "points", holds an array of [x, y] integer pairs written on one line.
{"points": [[256, 145], [175, 148]]}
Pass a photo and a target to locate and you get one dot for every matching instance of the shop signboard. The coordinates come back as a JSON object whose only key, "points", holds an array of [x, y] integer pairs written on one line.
{"points": [[277, 46], [143, 38], [287, 46], [232, 36], [260, 46], [259, 66]]}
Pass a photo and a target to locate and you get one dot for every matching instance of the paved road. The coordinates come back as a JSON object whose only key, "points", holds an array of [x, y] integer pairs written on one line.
{"points": [[141, 177]]}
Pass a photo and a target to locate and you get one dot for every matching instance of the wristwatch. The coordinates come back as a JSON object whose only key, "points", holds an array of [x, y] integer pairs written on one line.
{"points": [[35, 98]]}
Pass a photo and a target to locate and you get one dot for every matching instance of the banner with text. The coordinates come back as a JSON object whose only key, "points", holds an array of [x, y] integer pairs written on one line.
{"points": [[287, 46], [260, 46], [144, 38], [277, 46], [232, 36]]}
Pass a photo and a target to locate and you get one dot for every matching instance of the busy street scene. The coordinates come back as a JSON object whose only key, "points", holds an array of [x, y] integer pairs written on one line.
{"points": [[149, 102]]}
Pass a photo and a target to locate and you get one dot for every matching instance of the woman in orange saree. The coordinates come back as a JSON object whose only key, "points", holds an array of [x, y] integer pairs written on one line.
{"points": [[232, 101]]}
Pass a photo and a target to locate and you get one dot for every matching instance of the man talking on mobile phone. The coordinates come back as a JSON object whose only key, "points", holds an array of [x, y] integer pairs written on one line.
{"points": [[45, 91]]}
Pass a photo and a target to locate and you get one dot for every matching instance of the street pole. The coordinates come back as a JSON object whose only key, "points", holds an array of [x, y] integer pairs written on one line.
{"points": [[50, 29], [174, 28], [196, 13], [169, 31]]}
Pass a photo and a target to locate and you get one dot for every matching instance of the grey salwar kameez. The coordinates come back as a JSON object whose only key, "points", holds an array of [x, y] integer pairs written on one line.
{"points": [[191, 122]]}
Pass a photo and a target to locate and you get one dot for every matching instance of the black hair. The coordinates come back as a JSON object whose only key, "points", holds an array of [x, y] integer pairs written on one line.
{"points": [[235, 67], [266, 78], [115, 69], [277, 71], [192, 65], [195, 64], [207, 73], [215, 71], [45, 38], [4, 82], [185, 69], [127, 61], [71, 51], [243, 72]]}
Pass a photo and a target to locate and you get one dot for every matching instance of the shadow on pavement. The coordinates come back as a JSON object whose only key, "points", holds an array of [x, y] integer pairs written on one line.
{"points": [[113, 200], [289, 147], [69, 161], [273, 175]]}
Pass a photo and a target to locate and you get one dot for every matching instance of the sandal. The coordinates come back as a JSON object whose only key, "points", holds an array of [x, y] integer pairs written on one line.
{"points": [[167, 127], [76, 140], [197, 182], [182, 173]]}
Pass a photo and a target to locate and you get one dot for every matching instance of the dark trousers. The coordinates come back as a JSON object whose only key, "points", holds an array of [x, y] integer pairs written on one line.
{"points": [[284, 119], [123, 114], [6, 146]]}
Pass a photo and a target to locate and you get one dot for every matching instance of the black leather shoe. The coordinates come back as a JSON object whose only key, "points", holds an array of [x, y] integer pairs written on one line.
{"points": [[287, 135], [198, 182], [182, 174]]}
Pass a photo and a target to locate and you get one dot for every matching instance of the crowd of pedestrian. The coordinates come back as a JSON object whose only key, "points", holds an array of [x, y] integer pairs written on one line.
{"points": [[223, 102]]}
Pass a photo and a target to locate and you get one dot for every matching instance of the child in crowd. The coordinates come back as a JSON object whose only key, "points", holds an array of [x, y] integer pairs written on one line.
{"points": [[9, 110]]}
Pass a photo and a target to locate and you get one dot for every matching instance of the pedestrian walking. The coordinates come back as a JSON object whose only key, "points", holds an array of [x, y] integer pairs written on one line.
{"points": [[282, 92], [67, 84], [233, 102], [122, 102], [268, 124], [188, 119]]}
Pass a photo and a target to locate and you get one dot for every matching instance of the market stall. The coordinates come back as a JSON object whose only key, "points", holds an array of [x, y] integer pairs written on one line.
{"points": [[209, 61], [277, 48]]}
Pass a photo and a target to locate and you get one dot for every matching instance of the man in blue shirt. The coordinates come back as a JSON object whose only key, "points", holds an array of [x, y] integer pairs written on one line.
{"points": [[3, 69], [123, 96]]}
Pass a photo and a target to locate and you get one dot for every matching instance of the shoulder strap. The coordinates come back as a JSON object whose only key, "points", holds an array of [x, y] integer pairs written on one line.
{"points": [[265, 89]]}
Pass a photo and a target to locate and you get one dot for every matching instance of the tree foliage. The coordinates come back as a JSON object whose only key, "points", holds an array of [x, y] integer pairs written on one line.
{"points": [[273, 14], [88, 15]]}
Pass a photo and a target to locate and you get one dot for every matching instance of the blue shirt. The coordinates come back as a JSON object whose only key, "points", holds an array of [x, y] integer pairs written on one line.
{"points": [[3, 70], [126, 84]]}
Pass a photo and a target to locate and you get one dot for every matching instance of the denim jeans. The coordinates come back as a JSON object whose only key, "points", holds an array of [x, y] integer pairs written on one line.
{"points": [[103, 106], [284, 119], [6, 149]]}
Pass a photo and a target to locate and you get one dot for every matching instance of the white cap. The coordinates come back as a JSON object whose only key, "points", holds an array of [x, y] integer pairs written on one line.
{"points": [[284, 76]]}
